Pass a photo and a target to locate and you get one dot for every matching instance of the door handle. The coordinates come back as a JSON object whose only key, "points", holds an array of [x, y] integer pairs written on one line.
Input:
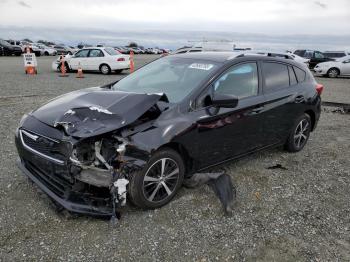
{"points": [[299, 99]]}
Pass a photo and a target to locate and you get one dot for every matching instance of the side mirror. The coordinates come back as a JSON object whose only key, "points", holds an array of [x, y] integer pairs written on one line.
{"points": [[226, 101]]}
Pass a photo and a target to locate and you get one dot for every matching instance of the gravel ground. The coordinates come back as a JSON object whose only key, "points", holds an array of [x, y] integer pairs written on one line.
{"points": [[335, 90], [298, 214]]}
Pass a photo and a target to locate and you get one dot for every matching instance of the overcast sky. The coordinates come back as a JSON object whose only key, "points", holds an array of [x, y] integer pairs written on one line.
{"points": [[272, 17], [254, 16]]}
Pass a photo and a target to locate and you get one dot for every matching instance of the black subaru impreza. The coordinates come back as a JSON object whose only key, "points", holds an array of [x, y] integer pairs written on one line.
{"points": [[138, 138]]}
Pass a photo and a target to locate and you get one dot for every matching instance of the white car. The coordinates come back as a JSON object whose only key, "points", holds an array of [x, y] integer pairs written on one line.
{"points": [[103, 59], [339, 67], [45, 50]]}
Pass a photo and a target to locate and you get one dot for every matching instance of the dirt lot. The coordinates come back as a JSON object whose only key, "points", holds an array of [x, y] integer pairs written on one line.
{"points": [[298, 214]]}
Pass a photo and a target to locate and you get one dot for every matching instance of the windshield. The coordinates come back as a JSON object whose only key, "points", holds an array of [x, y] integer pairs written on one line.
{"points": [[3, 42], [176, 77], [344, 58]]}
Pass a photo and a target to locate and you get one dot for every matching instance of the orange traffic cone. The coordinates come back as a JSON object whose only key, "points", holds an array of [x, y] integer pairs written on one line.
{"points": [[80, 72], [30, 70], [132, 66], [63, 67]]}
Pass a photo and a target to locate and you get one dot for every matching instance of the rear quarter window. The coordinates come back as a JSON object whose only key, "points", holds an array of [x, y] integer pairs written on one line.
{"points": [[276, 76], [301, 74], [292, 77]]}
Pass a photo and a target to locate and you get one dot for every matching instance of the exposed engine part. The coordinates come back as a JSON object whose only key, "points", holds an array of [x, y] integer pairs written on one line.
{"points": [[121, 184], [98, 160], [100, 157], [221, 184]]}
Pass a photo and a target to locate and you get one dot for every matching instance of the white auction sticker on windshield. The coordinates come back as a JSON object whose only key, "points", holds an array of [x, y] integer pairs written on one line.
{"points": [[201, 66]]}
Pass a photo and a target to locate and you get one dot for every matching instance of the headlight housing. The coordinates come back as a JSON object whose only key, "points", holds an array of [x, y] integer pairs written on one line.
{"points": [[22, 120]]}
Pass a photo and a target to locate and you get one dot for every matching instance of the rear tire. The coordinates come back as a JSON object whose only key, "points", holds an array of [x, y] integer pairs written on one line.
{"points": [[105, 69], [119, 71], [299, 134], [158, 182], [333, 72]]}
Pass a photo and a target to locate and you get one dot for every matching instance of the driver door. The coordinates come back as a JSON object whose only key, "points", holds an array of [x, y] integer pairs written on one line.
{"points": [[79, 58], [224, 133]]}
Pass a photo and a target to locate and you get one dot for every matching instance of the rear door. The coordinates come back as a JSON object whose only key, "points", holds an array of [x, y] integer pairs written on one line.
{"points": [[95, 59], [284, 99], [80, 59]]}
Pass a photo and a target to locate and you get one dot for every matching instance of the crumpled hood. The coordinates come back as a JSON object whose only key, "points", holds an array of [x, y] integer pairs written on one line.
{"points": [[94, 111]]}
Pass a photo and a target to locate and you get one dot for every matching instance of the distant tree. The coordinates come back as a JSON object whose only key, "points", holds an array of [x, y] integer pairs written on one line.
{"points": [[27, 40], [132, 44]]}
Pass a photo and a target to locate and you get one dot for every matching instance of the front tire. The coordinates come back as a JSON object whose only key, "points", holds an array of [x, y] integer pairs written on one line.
{"points": [[333, 72], [159, 181], [299, 134]]}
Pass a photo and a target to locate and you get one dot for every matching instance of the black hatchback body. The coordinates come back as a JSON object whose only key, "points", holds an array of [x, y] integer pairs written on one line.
{"points": [[174, 117]]}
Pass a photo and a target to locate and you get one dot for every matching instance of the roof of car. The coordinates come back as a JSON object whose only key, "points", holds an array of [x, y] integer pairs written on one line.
{"points": [[212, 56], [226, 57]]}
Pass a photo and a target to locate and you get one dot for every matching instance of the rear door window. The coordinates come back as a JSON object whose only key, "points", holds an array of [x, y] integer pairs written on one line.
{"points": [[308, 54], [319, 55], [292, 77], [96, 53], [276, 76]]}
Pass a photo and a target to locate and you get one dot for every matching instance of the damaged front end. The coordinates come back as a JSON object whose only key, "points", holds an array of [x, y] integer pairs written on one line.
{"points": [[82, 157]]}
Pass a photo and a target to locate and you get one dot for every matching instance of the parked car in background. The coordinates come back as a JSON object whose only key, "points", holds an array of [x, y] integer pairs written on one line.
{"points": [[103, 59], [135, 50], [74, 49], [339, 67], [24, 45], [139, 50], [172, 118], [63, 50], [335, 54], [45, 50], [7, 49], [314, 56], [122, 50]]}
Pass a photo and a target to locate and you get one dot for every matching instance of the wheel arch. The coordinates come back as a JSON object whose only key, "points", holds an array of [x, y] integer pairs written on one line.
{"points": [[104, 63], [183, 152], [334, 67], [312, 115]]}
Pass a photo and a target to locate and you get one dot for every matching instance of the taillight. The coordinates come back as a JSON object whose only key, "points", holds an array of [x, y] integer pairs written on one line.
{"points": [[120, 59], [319, 89]]}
